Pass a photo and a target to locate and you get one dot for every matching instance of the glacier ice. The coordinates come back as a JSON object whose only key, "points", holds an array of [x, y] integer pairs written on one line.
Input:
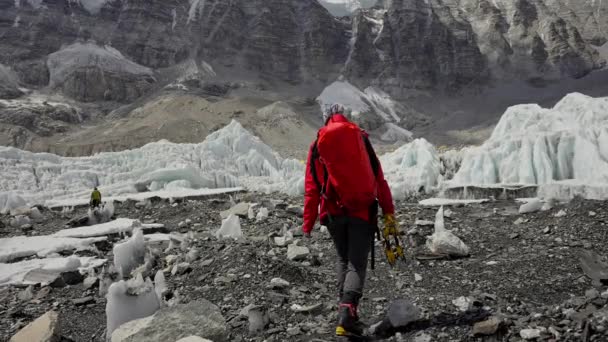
{"points": [[118, 226], [230, 229], [531, 206], [228, 158], [130, 254], [412, 169], [19, 221], [160, 285], [10, 201], [101, 215], [534, 145], [24, 246], [262, 215], [14, 273], [129, 300], [437, 202], [444, 241]]}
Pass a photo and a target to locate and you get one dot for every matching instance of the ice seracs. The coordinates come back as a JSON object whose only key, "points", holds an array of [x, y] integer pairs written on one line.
{"points": [[412, 169], [130, 300], [534, 145], [228, 158], [10, 201], [130, 254]]}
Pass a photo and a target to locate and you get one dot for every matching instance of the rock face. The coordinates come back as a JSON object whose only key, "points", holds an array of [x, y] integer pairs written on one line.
{"points": [[399, 45], [199, 318], [40, 117], [282, 39], [590, 17], [8, 83], [88, 72], [111, 53], [414, 45]]}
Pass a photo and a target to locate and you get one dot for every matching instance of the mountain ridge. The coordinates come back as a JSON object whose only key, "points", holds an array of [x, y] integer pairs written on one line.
{"points": [[109, 58]]}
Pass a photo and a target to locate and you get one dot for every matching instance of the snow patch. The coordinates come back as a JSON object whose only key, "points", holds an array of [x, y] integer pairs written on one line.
{"points": [[395, 133], [361, 103]]}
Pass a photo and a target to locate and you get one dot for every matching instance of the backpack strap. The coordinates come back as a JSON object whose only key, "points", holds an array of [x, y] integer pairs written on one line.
{"points": [[373, 158], [313, 170]]}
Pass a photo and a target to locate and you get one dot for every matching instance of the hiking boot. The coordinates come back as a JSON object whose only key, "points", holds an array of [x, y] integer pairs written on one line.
{"points": [[348, 321]]}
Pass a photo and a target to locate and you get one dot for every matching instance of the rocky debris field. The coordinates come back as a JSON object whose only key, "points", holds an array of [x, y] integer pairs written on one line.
{"points": [[537, 276]]}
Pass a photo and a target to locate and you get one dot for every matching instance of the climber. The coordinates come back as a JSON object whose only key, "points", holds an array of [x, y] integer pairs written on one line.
{"points": [[95, 198], [344, 177]]}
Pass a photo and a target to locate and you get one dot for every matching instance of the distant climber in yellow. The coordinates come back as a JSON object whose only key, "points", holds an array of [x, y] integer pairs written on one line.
{"points": [[95, 198]]}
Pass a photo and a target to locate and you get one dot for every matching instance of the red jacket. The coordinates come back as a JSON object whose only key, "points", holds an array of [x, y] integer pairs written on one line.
{"points": [[315, 204]]}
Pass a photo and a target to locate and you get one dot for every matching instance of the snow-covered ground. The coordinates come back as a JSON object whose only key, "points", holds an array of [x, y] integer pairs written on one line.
{"points": [[228, 158]]}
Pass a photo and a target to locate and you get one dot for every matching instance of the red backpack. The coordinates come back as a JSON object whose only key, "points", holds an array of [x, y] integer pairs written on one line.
{"points": [[349, 163]]}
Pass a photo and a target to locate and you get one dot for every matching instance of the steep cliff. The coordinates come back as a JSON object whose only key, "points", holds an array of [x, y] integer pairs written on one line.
{"points": [[114, 56]]}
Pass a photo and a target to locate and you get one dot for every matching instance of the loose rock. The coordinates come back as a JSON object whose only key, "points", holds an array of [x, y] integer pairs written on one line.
{"points": [[297, 253], [529, 334], [488, 327], [197, 318], [44, 329], [240, 209]]}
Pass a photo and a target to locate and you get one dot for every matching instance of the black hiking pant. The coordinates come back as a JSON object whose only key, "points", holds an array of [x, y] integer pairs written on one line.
{"points": [[353, 238]]}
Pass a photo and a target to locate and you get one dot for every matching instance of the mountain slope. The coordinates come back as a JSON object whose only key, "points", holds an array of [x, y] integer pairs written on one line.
{"points": [[106, 60]]}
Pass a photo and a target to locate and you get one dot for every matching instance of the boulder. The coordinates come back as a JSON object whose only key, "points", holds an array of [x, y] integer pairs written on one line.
{"points": [[199, 318], [487, 327], [44, 329], [297, 253]]}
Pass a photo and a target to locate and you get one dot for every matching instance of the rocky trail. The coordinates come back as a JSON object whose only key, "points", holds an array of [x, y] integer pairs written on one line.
{"points": [[523, 280]]}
